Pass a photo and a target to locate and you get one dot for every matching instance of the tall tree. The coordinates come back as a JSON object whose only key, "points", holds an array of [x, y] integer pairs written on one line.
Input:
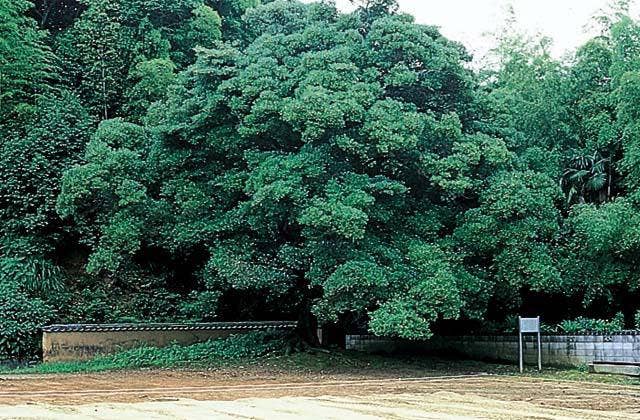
{"points": [[309, 169], [25, 61], [97, 56]]}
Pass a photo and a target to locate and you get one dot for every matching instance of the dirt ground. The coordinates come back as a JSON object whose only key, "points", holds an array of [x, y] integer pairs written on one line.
{"points": [[207, 395]]}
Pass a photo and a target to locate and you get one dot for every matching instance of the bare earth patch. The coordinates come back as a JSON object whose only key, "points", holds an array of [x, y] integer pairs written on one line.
{"points": [[206, 395]]}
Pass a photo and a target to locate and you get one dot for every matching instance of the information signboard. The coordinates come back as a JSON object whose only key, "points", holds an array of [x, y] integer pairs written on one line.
{"points": [[529, 326]]}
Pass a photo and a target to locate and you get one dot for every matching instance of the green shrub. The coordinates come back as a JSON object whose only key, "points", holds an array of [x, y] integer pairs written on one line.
{"points": [[32, 274], [636, 320], [21, 318], [589, 325], [251, 345]]}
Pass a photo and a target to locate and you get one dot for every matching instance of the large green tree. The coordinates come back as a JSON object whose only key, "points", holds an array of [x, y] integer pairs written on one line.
{"points": [[313, 166]]}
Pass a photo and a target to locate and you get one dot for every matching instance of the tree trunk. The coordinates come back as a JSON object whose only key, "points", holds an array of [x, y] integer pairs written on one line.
{"points": [[308, 327]]}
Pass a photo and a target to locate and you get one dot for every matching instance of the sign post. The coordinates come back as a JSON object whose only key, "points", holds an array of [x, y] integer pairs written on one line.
{"points": [[529, 326]]}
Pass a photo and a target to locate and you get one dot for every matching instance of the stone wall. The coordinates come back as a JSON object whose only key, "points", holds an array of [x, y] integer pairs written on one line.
{"points": [[83, 341], [558, 350]]}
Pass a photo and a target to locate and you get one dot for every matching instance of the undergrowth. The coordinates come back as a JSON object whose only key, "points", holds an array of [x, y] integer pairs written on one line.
{"points": [[213, 352]]}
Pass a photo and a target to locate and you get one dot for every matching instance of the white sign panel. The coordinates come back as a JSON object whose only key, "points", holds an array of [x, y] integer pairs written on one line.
{"points": [[529, 325]]}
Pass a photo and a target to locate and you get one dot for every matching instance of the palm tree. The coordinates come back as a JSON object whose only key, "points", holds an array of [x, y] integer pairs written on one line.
{"points": [[588, 178]]}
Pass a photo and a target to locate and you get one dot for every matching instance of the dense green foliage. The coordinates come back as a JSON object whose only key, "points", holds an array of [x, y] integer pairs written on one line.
{"points": [[244, 159], [588, 325], [21, 316]]}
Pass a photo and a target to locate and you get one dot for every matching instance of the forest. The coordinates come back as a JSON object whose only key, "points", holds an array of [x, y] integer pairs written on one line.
{"points": [[203, 160]]}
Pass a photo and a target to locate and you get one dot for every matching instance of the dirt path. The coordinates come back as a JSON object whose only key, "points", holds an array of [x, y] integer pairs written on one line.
{"points": [[194, 395], [438, 405]]}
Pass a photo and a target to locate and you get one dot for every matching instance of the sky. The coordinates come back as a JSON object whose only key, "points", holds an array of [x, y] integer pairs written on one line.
{"points": [[469, 21]]}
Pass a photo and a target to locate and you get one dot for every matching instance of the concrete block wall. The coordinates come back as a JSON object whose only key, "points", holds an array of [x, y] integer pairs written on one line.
{"points": [[558, 350]]}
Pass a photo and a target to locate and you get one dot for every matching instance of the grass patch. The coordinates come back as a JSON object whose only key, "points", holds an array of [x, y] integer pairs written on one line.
{"points": [[273, 354], [581, 375], [210, 353], [345, 362]]}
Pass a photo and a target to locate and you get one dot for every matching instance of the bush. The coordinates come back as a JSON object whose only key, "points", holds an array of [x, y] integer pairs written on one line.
{"points": [[588, 325], [21, 319], [32, 274], [251, 345]]}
